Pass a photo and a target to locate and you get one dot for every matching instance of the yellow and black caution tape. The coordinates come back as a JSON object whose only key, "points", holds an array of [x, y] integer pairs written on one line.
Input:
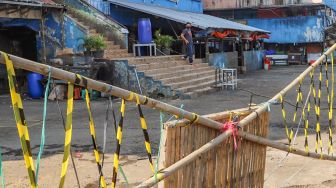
{"points": [[318, 113], [68, 134], [290, 133], [145, 132], [119, 138], [306, 117], [20, 120], [195, 119], [299, 98], [330, 102], [94, 143]]}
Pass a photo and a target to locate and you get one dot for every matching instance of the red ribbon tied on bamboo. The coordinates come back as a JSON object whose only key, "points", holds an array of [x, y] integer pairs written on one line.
{"points": [[232, 126]]}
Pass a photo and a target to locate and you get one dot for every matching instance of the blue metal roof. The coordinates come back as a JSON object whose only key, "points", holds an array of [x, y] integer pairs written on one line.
{"points": [[202, 21]]}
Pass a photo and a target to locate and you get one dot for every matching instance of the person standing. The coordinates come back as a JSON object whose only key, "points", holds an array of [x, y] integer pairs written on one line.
{"points": [[188, 40]]}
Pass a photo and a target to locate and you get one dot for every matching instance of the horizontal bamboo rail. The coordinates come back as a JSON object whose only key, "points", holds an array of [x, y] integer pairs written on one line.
{"points": [[263, 107], [155, 104], [106, 88], [213, 143]]}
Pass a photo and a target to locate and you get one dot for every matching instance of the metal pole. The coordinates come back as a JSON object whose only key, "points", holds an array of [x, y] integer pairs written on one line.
{"points": [[136, 74]]}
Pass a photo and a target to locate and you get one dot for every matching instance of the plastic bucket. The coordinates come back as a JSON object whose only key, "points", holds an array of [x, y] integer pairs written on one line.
{"points": [[35, 87]]}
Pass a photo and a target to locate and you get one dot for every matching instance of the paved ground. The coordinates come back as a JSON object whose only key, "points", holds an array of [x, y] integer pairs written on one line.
{"points": [[262, 83]]}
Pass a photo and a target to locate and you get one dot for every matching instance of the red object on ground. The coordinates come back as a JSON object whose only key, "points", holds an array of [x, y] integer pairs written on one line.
{"points": [[78, 155], [267, 63], [77, 93]]}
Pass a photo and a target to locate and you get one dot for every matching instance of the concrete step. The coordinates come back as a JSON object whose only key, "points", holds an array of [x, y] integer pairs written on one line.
{"points": [[118, 56], [187, 84], [111, 43], [169, 70], [192, 75], [199, 92], [196, 87], [115, 51], [112, 47], [179, 73], [162, 65], [153, 59]]}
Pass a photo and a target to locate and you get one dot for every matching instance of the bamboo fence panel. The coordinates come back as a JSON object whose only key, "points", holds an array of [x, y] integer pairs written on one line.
{"points": [[222, 166]]}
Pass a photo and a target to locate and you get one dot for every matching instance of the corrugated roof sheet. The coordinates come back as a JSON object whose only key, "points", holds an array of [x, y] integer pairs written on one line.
{"points": [[199, 20]]}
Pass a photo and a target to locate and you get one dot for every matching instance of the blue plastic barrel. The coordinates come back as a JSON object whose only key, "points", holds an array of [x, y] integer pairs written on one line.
{"points": [[144, 31], [35, 87]]}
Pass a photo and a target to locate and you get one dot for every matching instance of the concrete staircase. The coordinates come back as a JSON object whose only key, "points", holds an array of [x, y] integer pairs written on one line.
{"points": [[186, 80], [113, 50]]}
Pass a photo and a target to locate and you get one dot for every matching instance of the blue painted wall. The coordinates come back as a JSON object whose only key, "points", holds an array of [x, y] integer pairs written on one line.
{"points": [[300, 29], [253, 60], [74, 34], [330, 3], [186, 5], [102, 5]]}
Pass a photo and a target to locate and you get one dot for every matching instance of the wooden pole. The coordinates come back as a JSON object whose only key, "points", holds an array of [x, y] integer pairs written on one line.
{"points": [[193, 156], [264, 107], [284, 147], [106, 88], [116, 91]]}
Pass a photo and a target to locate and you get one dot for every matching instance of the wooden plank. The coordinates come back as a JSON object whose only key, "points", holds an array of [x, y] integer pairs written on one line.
{"points": [[193, 147], [172, 155], [197, 164], [163, 152], [167, 154], [185, 136], [183, 141], [177, 154]]}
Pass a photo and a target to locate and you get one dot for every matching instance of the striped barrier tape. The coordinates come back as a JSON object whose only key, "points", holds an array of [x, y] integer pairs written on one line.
{"points": [[68, 134], [299, 98], [291, 133], [306, 117], [318, 113], [145, 132], [20, 120], [118, 143], [94, 143], [331, 151], [328, 100]]}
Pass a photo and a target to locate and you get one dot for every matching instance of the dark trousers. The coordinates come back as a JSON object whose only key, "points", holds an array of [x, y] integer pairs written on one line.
{"points": [[190, 52]]}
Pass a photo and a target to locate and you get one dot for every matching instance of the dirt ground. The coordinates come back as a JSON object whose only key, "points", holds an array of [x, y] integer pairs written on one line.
{"points": [[281, 171]]}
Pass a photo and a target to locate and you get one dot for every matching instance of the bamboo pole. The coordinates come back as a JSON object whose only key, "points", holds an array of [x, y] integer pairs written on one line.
{"points": [[284, 147], [191, 157], [164, 173], [116, 91], [106, 88]]}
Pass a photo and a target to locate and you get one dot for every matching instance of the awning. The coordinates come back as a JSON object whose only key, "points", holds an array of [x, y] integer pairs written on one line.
{"points": [[199, 20]]}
